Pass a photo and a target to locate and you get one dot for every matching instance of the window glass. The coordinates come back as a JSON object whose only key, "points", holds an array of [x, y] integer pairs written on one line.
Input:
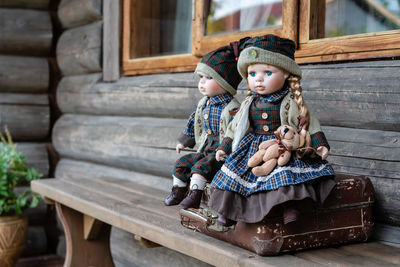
{"points": [[347, 17], [241, 15], [161, 27]]}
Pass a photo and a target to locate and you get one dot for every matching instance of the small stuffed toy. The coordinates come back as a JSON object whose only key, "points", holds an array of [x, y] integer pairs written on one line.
{"points": [[277, 151]]}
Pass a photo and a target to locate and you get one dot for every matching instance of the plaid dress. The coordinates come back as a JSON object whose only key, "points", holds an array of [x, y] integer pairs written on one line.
{"points": [[237, 177], [202, 162]]}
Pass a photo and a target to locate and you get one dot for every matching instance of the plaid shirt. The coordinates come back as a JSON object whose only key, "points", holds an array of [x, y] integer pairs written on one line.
{"points": [[211, 114]]}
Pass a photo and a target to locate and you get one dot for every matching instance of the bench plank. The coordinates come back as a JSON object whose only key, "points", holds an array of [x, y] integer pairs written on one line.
{"points": [[337, 257], [375, 250], [138, 209], [163, 230]]}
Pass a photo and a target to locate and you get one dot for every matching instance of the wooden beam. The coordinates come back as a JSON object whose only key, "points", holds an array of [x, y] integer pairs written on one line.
{"points": [[146, 243], [111, 38], [81, 252], [290, 12], [91, 227]]}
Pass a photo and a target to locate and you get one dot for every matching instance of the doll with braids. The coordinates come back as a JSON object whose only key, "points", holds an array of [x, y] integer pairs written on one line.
{"points": [[274, 99]]}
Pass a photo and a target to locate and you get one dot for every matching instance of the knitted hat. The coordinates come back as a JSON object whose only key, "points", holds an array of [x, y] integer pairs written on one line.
{"points": [[269, 49], [221, 65]]}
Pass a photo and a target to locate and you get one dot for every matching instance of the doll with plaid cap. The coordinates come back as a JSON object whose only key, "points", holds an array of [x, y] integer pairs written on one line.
{"points": [[219, 79], [274, 99]]}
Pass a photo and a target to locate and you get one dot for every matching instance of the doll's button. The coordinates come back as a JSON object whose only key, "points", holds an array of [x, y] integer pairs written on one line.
{"points": [[205, 116], [209, 131], [264, 116], [266, 128], [208, 102], [253, 53]]}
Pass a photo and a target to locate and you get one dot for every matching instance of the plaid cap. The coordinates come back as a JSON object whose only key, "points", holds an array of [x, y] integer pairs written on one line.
{"points": [[221, 65], [269, 49]]}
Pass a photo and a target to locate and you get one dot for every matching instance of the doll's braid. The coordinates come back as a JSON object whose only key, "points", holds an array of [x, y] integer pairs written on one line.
{"points": [[294, 84], [304, 116]]}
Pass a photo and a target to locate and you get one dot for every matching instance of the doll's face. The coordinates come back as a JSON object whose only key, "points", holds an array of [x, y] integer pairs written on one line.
{"points": [[265, 79], [209, 87]]}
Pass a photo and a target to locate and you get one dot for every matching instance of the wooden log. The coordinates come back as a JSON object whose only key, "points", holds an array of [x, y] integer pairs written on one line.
{"points": [[127, 251], [25, 32], [26, 122], [34, 4], [67, 168], [79, 50], [388, 234], [67, 102], [24, 99], [74, 13], [119, 141], [162, 95], [36, 156], [352, 101], [362, 95], [147, 145], [24, 74]]}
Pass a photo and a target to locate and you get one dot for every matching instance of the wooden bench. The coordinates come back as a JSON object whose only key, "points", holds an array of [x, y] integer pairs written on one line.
{"points": [[89, 207]]}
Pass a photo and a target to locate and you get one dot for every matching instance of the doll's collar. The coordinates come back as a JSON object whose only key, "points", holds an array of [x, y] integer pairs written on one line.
{"points": [[272, 97], [220, 99]]}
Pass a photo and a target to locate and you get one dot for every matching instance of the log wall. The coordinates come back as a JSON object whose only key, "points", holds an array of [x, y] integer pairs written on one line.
{"points": [[127, 129], [26, 36]]}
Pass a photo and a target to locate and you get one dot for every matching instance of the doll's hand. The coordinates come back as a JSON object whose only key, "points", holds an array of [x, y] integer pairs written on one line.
{"points": [[179, 147], [220, 155], [322, 151]]}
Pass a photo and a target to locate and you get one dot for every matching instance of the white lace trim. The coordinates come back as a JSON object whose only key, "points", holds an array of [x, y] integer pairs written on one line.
{"points": [[247, 184]]}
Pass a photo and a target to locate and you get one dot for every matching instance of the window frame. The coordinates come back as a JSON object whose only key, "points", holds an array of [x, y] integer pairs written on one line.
{"points": [[349, 47], [201, 44], [301, 22]]}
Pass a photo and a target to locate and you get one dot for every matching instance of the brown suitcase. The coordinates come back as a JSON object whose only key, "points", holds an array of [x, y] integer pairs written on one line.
{"points": [[345, 217]]}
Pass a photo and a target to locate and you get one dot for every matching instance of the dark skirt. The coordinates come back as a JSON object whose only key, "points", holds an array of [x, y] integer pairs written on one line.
{"points": [[255, 207]]}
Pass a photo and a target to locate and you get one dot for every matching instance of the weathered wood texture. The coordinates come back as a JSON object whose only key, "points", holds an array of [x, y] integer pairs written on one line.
{"points": [[25, 32], [34, 4], [26, 122], [142, 144], [388, 234], [73, 13], [111, 201], [147, 144], [36, 156], [77, 247], [79, 50], [162, 95], [127, 251], [364, 97], [24, 74], [69, 168], [111, 40]]}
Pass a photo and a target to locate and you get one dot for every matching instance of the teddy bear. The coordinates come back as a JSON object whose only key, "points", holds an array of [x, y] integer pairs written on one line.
{"points": [[278, 151]]}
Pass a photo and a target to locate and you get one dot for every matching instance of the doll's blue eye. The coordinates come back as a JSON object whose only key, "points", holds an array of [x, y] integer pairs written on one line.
{"points": [[252, 74], [210, 78], [269, 73]]}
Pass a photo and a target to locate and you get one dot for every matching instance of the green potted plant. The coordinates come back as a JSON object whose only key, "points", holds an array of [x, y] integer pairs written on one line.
{"points": [[13, 221]]}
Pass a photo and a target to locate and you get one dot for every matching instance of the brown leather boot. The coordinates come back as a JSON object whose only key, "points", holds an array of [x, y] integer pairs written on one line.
{"points": [[192, 200], [176, 196]]}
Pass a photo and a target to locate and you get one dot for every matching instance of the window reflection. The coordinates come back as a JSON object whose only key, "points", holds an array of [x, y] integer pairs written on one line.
{"points": [[161, 27], [347, 17], [242, 15]]}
